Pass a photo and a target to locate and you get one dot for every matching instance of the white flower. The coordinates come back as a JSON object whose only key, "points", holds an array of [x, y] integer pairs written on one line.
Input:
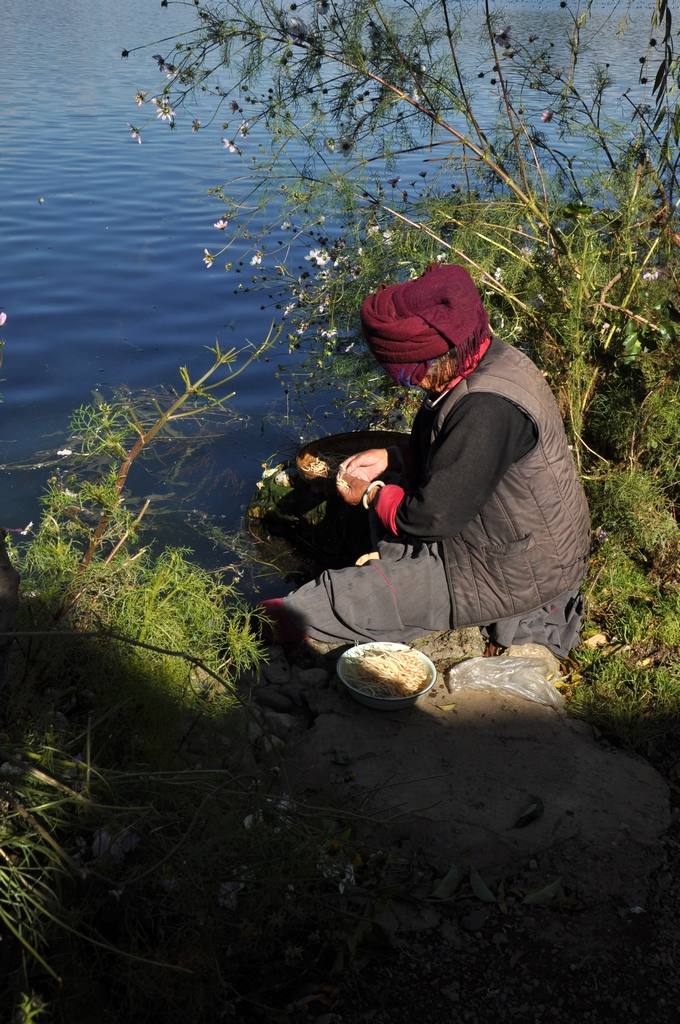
{"points": [[195, 125], [373, 229], [387, 235], [244, 129], [164, 111], [230, 146], [139, 98], [134, 134], [338, 870], [256, 259], [651, 275], [64, 451], [498, 274], [208, 258], [288, 309], [221, 224], [442, 257], [347, 879], [318, 256], [330, 333], [285, 225]]}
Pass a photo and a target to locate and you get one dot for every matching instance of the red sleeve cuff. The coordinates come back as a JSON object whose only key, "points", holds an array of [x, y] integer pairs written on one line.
{"points": [[386, 504]]}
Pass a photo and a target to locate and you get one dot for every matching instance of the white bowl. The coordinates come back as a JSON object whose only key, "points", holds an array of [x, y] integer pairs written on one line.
{"points": [[384, 703]]}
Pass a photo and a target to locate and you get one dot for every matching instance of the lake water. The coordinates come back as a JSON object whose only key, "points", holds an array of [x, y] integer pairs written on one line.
{"points": [[100, 262]]}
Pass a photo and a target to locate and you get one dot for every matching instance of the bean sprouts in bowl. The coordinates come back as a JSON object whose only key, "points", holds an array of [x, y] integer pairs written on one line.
{"points": [[386, 675]]}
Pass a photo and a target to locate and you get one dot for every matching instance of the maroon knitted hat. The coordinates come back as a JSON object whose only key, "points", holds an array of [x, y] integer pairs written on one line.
{"points": [[408, 325]]}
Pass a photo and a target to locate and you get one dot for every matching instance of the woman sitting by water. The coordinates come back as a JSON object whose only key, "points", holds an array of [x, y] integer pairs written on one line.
{"points": [[480, 515]]}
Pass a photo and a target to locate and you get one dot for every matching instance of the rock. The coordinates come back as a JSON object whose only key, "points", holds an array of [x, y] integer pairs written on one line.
{"points": [[272, 746], [242, 760], [255, 731], [312, 676], [295, 691], [535, 651], [274, 699], [276, 671], [321, 702], [279, 724], [323, 649], [475, 920], [453, 645]]}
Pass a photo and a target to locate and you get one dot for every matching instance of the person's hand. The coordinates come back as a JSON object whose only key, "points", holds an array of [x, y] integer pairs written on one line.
{"points": [[368, 465], [350, 488]]}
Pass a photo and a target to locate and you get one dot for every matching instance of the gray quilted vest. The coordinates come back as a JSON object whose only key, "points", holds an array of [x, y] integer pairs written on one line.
{"points": [[530, 542]]}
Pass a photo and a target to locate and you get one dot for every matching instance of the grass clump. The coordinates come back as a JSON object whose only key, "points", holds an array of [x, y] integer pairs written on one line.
{"points": [[626, 701], [165, 894], [122, 651], [628, 681]]}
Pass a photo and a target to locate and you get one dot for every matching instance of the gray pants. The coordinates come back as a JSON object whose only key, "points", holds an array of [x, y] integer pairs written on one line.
{"points": [[404, 595], [398, 597]]}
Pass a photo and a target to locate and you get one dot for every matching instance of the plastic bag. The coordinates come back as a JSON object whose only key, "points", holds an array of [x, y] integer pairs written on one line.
{"points": [[531, 678]]}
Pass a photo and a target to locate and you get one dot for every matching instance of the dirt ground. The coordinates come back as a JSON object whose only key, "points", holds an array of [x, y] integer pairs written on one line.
{"points": [[540, 873]]}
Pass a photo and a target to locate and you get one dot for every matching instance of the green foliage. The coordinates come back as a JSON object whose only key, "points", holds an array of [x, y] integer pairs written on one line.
{"points": [[630, 684], [629, 702], [631, 504], [120, 642], [139, 887]]}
